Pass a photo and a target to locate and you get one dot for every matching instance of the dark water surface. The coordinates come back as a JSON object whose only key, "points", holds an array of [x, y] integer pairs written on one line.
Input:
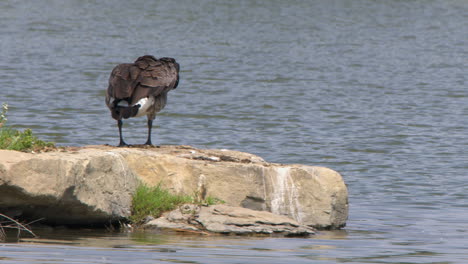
{"points": [[376, 90]]}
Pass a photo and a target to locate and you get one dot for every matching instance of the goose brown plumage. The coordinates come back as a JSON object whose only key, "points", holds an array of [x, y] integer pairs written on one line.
{"points": [[140, 88]]}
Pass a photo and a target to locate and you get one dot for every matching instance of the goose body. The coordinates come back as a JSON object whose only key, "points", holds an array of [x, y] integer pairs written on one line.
{"points": [[140, 88]]}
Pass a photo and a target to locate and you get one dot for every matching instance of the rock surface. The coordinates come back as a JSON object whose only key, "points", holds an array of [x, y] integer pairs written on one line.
{"points": [[94, 184], [226, 219], [85, 187]]}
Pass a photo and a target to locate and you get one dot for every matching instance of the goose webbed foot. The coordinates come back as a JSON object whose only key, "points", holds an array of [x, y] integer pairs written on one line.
{"points": [[148, 143], [123, 144]]}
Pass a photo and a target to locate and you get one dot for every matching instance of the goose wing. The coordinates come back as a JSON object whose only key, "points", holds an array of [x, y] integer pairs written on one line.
{"points": [[146, 76], [122, 81], [156, 77]]}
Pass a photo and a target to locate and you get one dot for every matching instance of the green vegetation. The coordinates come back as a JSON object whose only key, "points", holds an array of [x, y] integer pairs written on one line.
{"points": [[153, 201], [13, 139], [22, 141], [3, 118], [211, 201]]}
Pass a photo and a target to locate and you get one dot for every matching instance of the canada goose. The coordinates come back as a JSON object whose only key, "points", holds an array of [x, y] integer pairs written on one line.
{"points": [[140, 88]]}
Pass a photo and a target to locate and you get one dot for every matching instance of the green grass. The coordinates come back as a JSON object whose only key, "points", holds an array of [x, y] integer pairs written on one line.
{"points": [[212, 201], [154, 201], [13, 139]]}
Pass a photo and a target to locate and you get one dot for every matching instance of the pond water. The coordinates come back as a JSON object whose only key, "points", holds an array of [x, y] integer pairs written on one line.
{"points": [[376, 90]]}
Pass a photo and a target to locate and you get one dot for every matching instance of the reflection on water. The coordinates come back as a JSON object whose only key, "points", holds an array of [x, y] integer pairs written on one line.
{"points": [[81, 246], [86, 246], [373, 89]]}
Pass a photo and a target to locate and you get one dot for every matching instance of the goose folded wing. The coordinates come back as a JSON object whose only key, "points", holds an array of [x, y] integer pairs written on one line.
{"points": [[155, 80], [122, 81]]}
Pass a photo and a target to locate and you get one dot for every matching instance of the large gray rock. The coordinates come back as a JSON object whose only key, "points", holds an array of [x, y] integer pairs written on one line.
{"points": [[225, 219], [94, 184], [85, 187]]}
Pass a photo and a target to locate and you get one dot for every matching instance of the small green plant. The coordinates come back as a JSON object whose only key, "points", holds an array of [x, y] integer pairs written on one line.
{"points": [[22, 141], [13, 139], [212, 201], [3, 118], [154, 201], [198, 198]]}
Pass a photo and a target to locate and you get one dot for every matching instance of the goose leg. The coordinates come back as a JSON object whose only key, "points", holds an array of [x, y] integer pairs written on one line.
{"points": [[150, 126], [122, 143]]}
